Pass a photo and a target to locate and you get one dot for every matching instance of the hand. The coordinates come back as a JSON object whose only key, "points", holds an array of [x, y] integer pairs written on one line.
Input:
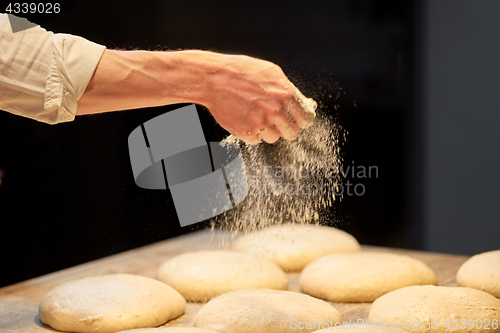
{"points": [[251, 98], [254, 100]]}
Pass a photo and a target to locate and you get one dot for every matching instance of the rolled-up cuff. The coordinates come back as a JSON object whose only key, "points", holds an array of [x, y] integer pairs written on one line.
{"points": [[74, 61]]}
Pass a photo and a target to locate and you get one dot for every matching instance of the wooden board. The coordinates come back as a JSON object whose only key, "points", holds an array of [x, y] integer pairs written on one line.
{"points": [[19, 302]]}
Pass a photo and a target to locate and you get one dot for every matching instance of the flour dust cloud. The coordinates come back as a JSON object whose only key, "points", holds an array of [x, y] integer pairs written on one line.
{"points": [[288, 181]]}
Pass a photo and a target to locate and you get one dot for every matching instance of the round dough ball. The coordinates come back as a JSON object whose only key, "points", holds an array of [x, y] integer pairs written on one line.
{"points": [[482, 272], [293, 246], [110, 303], [170, 330], [203, 275], [265, 311], [361, 328], [434, 307], [362, 276]]}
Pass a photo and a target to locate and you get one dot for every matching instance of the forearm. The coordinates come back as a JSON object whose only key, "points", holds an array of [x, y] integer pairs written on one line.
{"points": [[249, 97], [136, 79]]}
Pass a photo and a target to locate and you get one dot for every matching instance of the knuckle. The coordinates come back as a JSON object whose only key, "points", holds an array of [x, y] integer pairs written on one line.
{"points": [[271, 136]]}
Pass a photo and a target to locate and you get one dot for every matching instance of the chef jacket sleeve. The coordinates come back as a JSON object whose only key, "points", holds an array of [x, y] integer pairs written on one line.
{"points": [[42, 74]]}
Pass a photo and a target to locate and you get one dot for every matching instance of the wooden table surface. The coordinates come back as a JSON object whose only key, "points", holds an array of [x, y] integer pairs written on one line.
{"points": [[19, 302]]}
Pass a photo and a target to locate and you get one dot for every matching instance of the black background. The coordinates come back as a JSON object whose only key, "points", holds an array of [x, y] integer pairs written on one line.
{"points": [[68, 195]]}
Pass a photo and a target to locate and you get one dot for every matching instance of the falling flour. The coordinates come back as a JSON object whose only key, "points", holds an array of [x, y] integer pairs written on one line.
{"points": [[288, 181]]}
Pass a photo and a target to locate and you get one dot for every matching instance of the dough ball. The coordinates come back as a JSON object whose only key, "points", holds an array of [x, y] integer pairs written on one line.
{"points": [[293, 246], [110, 303], [482, 272], [170, 330], [265, 311], [362, 276], [361, 328], [203, 275], [434, 307]]}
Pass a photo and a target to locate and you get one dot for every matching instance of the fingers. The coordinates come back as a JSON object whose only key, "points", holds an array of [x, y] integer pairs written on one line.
{"points": [[247, 135], [296, 112], [301, 108], [282, 122], [286, 125], [254, 100], [269, 134], [269, 126]]}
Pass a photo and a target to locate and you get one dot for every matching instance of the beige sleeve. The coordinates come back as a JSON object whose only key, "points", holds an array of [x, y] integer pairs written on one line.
{"points": [[42, 75]]}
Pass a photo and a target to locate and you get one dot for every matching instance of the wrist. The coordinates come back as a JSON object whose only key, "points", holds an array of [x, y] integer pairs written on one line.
{"points": [[187, 76]]}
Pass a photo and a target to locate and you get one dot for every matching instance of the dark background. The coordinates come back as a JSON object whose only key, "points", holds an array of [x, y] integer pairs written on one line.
{"points": [[68, 195]]}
